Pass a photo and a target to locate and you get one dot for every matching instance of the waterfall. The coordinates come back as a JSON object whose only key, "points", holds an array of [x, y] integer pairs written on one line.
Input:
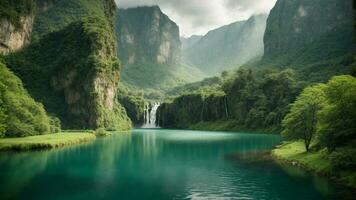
{"points": [[150, 115]]}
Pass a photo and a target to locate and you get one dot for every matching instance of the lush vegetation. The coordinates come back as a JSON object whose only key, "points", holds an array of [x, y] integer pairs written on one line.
{"points": [[71, 66], [324, 117], [20, 115], [134, 103], [14, 10], [301, 122], [158, 77], [318, 161], [246, 99], [101, 132], [45, 141], [325, 114], [53, 16]]}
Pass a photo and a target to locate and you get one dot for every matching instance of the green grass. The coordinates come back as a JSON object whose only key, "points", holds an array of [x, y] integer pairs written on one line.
{"points": [[45, 141], [316, 161]]}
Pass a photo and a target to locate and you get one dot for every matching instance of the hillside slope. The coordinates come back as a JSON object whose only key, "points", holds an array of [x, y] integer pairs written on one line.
{"points": [[229, 46], [316, 36]]}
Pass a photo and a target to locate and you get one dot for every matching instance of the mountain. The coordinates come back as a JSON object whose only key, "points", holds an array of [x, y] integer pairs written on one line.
{"points": [[228, 46], [301, 32], [190, 41], [150, 49], [71, 63]]}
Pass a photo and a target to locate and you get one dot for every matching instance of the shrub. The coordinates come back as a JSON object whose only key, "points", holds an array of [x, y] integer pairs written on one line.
{"points": [[101, 132], [20, 115], [55, 124], [343, 158]]}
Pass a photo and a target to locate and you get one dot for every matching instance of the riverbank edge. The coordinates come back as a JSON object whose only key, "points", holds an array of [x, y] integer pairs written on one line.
{"points": [[47, 141], [293, 153], [229, 126]]}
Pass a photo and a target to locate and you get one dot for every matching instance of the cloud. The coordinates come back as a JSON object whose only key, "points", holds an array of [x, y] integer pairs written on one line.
{"points": [[200, 16]]}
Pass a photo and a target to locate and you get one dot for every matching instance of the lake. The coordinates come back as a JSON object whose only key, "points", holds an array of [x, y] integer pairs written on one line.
{"points": [[161, 164]]}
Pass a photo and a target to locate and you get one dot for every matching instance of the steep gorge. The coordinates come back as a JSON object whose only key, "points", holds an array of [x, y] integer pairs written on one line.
{"points": [[150, 49]]}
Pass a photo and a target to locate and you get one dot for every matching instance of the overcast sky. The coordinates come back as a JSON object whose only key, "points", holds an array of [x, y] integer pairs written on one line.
{"points": [[200, 16]]}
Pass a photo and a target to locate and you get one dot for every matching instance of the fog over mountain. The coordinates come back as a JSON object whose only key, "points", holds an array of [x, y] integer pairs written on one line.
{"points": [[200, 16], [229, 46]]}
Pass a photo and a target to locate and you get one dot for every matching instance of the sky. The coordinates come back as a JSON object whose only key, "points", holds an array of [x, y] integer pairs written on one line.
{"points": [[197, 17]]}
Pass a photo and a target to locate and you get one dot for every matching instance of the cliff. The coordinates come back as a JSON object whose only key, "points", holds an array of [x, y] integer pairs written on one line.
{"points": [[150, 49], [16, 20], [71, 66], [302, 31], [145, 34], [229, 46]]}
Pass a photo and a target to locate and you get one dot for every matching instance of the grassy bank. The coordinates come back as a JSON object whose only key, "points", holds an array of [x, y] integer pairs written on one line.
{"points": [[45, 141], [316, 161]]}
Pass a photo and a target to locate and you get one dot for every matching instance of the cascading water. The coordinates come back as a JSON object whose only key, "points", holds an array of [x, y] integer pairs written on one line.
{"points": [[150, 114]]}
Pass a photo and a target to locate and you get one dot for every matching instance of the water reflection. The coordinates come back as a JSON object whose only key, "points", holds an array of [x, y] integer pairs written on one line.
{"points": [[159, 164]]}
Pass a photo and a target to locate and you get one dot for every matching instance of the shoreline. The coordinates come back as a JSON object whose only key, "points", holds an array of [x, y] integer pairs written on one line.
{"points": [[227, 126], [43, 142], [291, 153]]}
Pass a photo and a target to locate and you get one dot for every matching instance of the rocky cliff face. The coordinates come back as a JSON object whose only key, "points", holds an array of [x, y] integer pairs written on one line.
{"points": [[15, 24], [150, 49], [229, 46], [145, 34], [322, 28], [72, 65]]}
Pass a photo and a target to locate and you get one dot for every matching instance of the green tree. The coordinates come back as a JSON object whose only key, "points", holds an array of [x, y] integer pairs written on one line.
{"points": [[2, 119], [301, 122], [20, 115], [338, 118]]}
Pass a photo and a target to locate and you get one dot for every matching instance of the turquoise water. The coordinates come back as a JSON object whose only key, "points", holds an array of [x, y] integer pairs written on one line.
{"points": [[160, 164]]}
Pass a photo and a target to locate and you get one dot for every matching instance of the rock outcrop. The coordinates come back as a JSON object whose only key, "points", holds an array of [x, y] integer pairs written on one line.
{"points": [[16, 23]]}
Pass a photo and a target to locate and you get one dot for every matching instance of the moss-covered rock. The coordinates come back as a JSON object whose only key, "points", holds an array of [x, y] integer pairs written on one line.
{"points": [[72, 66], [16, 20]]}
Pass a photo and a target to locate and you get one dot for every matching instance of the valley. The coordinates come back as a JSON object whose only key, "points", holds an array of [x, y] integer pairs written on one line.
{"points": [[127, 87]]}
